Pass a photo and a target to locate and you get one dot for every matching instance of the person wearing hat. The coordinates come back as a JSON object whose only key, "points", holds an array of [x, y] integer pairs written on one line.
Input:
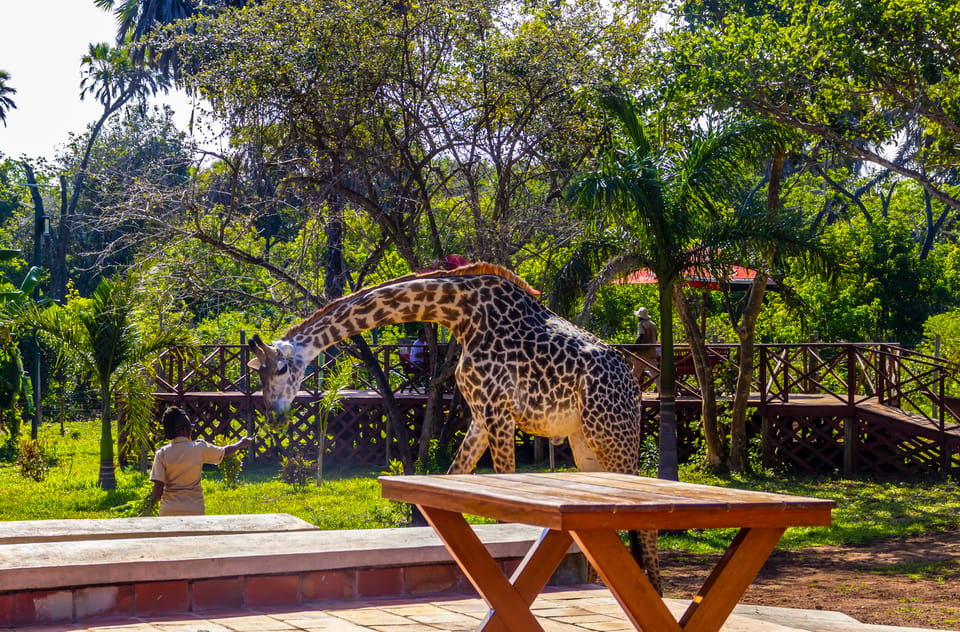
{"points": [[646, 328], [177, 466]]}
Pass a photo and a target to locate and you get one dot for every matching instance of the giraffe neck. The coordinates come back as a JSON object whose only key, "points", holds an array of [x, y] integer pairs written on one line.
{"points": [[445, 301]]}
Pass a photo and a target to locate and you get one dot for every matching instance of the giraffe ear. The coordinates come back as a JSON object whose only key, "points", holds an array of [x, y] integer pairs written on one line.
{"points": [[254, 363]]}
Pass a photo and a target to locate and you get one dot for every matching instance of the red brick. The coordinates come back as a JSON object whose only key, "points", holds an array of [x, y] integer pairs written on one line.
{"points": [[154, 597], [273, 590], [42, 606], [323, 585], [510, 566], [463, 582], [429, 579], [379, 582], [212, 594], [103, 601], [6, 610]]}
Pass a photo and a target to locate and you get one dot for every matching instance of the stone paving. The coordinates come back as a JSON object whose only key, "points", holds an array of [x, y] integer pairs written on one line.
{"points": [[576, 609]]}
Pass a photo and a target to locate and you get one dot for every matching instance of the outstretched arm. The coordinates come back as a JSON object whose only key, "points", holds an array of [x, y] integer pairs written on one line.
{"points": [[246, 442]]}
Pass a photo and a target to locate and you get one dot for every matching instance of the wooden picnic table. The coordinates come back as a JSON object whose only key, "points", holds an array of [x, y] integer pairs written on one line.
{"points": [[588, 508]]}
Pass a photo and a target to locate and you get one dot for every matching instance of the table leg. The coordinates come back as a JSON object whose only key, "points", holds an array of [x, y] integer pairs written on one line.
{"points": [[483, 572], [623, 577], [534, 571], [730, 579]]}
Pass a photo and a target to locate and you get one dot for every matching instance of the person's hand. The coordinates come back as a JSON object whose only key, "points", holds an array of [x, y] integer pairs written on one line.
{"points": [[246, 442]]}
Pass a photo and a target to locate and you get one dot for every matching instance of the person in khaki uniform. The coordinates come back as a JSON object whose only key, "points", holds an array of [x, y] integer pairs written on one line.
{"points": [[177, 466]]}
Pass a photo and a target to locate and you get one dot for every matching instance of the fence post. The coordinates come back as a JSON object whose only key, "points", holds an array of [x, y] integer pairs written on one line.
{"points": [[851, 424], [944, 444], [851, 438], [766, 425], [247, 414]]}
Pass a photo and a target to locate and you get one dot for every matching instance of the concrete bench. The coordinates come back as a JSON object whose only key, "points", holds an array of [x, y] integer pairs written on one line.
{"points": [[145, 566], [36, 531]]}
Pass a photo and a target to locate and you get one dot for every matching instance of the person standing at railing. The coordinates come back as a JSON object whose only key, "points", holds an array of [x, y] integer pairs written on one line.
{"points": [[646, 328]]}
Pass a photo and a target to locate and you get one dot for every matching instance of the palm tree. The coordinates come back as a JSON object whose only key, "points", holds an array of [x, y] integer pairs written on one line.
{"points": [[113, 80], [137, 19], [662, 204], [102, 334], [6, 103]]}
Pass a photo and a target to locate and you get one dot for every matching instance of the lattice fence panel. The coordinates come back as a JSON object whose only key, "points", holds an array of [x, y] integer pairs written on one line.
{"points": [[884, 450], [811, 444]]}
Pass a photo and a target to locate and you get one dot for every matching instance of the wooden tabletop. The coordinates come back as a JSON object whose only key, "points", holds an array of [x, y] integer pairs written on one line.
{"points": [[604, 500]]}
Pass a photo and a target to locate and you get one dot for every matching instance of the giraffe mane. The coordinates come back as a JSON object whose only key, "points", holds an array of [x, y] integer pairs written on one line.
{"points": [[471, 269]]}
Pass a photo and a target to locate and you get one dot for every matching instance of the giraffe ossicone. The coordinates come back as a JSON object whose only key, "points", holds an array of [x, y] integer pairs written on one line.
{"points": [[521, 367]]}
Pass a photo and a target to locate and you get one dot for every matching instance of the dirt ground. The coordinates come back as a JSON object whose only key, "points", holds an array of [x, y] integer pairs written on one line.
{"points": [[913, 582]]}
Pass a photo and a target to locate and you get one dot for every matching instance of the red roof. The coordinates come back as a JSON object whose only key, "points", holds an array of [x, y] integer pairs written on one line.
{"points": [[697, 278]]}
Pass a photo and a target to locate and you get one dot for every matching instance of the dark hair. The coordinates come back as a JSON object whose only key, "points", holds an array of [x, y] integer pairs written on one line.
{"points": [[175, 421]]}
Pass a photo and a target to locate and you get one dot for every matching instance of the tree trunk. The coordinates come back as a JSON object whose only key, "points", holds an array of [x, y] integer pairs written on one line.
{"points": [[739, 455], [321, 446], [108, 476], [397, 421], [434, 409], [669, 468], [708, 391], [68, 210]]}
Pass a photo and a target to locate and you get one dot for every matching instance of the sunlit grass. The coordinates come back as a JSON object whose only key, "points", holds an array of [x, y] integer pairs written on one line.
{"points": [[867, 509]]}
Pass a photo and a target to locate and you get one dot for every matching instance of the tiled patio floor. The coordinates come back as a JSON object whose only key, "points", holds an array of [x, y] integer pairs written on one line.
{"points": [[576, 609]]}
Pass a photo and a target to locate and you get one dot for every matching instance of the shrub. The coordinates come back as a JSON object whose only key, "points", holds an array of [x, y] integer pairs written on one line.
{"points": [[32, 460], [439, 459], [231, 466], [297, 471]]}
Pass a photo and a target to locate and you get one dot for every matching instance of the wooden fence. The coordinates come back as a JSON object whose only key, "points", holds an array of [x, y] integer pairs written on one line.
{"points": [[852, 407]]}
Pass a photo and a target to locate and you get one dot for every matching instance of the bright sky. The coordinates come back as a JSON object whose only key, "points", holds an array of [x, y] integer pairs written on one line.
{"points": [[41, 43]]}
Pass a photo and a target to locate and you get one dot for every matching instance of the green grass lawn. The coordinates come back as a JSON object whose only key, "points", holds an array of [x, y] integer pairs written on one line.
{"points": [[867, 509]]}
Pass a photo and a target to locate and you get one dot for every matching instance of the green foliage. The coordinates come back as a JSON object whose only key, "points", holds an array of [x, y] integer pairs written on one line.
{"points": [[649, 457], [103, 335], [231, 466], [845, 73], [439, 458], [33, 460], [297, 471], [887, 294], [139, 507]]}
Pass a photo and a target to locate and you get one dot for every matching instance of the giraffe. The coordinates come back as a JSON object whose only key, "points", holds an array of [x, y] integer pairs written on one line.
{"points": [[521, 366]]}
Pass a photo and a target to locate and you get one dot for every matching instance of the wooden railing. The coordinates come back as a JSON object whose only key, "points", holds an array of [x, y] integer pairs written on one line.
{"points": [[223, 368], [851, 374], [845, 373]]}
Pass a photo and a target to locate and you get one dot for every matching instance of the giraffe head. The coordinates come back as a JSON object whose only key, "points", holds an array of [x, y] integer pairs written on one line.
{"points": [[281, 370]]}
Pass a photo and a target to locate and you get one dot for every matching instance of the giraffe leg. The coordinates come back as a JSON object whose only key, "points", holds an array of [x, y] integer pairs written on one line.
{"points": [[643, 544], [583, 456], [471, 448], [502, 431]]}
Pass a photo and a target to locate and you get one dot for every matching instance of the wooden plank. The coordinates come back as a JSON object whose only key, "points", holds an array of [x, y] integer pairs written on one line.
{"points": [[465, 496], [730, 579], [690, 490], [551, 500], [482, 571], [626, 581], [583, 492]]}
